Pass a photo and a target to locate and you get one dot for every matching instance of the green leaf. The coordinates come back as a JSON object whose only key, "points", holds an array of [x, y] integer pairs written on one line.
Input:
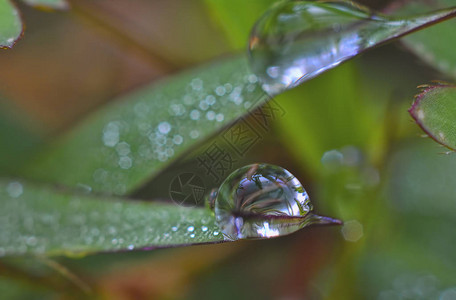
{"points": [[19, 138], [122, 146], [436, 44], [54, 4], [434, 110], [10, 24], [42, 220]]}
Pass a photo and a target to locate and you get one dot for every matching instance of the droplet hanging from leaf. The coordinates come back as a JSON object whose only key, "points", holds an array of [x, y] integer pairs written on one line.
{"points": [[434, 110], [263, 201], [297, 40]]}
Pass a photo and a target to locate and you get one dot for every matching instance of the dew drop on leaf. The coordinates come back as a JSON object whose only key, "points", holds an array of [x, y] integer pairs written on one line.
{"points": [[263, 201], [297, 40]]}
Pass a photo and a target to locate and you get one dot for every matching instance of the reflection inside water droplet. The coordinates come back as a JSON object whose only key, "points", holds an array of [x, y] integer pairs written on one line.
{"points": [[262, 201], [297, 40]]}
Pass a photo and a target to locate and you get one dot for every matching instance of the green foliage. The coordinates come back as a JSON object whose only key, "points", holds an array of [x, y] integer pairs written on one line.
{"points": [[436, 44], [401, 194], [42, 220], [113, 152], [434, 110], [129, 142]]}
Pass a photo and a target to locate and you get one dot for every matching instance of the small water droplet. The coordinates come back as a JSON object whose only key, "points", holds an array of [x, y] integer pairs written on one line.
{"points": [[220, 91], [197, 84], [252, 78], [194, 134], [99, 175], [204, 228], [192, 235], [210, 99], [228, 87], [210, 115], [203, 105], [130, 247], [262, 201], [14, 189], [125, 162], [352, 231], [297, 40], [332, 159], [111, 134], [176, 109], [174, 228], [123, 148], [190, 228], [164, 127], [195, 114], [220, 117], [177, 139]]}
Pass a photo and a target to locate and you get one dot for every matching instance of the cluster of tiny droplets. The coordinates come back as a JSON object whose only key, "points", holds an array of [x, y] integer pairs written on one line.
{"points": [[143, 135], [89, 224], [139, 139]]}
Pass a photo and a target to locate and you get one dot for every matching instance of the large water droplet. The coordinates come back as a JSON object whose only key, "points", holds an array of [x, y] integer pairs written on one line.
{"points": [[262, 201], [297, 40]]}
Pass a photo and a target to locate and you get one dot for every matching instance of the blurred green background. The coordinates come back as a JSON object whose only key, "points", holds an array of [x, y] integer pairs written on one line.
{"points": [[346, 135]]}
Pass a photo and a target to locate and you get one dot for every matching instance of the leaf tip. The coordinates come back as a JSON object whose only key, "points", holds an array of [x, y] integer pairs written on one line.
{"points": [[430, 117], [11, 42]]}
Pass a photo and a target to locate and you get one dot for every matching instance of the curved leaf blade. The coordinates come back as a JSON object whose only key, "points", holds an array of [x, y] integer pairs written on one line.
{"points": [[52, 4], [434, 110], [120, 147], [10, 24], [42, 220], [434, 45]]}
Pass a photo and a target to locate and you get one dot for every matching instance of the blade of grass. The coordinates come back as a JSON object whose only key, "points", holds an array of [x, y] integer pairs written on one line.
{"points": [[122, 146], [46, 221]]}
